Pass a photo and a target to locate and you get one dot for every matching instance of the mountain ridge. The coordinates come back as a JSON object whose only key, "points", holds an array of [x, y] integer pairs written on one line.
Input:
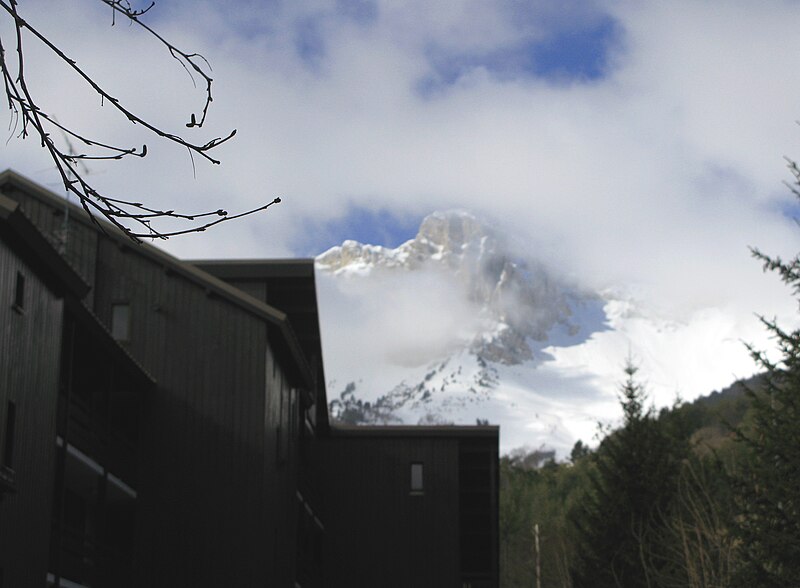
{"points": [[453, 326], [519, 299]]}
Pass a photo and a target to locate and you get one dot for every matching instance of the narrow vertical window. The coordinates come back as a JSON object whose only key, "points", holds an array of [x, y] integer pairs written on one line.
{"points": [[121, 321], [19, 292], [8, 441], [417, 483]]}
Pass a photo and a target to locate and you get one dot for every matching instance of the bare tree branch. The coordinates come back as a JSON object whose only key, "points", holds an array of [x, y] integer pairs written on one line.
{"points": [[29, 119]]}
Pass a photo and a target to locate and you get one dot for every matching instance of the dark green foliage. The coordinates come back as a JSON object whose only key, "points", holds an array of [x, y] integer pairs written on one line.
{"points": [[579, 451], [620, 521], [689, 544], [718, 414], [538, 496], [697, 548], [768, 487]]}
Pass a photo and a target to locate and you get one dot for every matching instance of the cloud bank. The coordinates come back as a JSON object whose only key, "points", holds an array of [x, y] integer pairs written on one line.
{"points": [[647, 151]]}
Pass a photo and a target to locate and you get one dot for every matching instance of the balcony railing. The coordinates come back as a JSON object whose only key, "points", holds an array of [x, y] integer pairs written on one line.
{"points": [[81, 559], [92, 434]]}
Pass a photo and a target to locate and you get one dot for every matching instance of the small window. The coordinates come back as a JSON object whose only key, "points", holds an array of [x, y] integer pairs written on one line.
{"points": [[121, 321], [8, 441], [417, 485], [19, 292]]}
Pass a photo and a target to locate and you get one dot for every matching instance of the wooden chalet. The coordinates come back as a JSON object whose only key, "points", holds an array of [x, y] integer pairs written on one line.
{"points": [[164, 423]]}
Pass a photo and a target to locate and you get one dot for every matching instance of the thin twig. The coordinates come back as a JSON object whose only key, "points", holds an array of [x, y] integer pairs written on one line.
{"points": [[27, 118]]}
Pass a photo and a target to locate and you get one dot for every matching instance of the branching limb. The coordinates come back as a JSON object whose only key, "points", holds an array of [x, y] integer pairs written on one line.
{"points": [[29, 119]]}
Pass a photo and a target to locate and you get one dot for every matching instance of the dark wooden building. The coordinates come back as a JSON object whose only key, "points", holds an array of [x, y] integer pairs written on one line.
{"points": [[70, 398], [414, 506], [164, 423]]}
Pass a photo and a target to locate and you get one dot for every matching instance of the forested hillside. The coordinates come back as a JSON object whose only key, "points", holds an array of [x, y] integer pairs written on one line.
{"points": [[588, 503], [664, 500]]}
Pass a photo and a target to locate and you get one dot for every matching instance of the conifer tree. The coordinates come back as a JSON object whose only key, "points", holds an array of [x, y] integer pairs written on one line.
{"points": [[620, 521], [768, 486]]}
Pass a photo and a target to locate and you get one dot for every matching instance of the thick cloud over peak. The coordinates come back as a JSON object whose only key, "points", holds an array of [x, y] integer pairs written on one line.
{"points": [[651, 157]]}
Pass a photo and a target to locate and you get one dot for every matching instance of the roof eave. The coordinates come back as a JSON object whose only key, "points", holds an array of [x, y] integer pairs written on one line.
{"points": [[185, 269]]}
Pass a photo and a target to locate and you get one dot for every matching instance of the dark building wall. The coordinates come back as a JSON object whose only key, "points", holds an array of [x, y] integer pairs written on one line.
{"points": [[214, 490], [288, 285], [94, 499], [379, 532], [478, 500], [30, 340]]}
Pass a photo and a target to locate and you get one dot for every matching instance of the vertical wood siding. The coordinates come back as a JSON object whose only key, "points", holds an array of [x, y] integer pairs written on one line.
{"points": [[478, 512], [380, 534], [213, 495], [29, 367], [215, 502]]}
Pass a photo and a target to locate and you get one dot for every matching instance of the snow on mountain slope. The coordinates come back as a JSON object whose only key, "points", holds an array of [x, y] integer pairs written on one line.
{"points": [[451, 327]]}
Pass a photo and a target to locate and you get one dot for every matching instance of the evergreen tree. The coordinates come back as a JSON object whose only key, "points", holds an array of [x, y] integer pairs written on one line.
{"points": [[768, 487], [620, 521], [579, 451]]}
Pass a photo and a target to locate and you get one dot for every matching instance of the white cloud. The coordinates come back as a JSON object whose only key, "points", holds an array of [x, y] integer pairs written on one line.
{"points": [[393, 321], [660, 174]]}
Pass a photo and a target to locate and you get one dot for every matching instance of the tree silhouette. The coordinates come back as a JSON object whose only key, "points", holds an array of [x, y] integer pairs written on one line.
{"points": [[136, 219], [768, 489], [619, 521]]}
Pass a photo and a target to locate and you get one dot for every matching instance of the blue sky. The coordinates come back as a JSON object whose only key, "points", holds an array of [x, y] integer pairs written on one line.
{"points": [[567, 55], [375, 227]]}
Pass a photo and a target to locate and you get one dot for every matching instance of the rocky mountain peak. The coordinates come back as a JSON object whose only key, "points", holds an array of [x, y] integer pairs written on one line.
{"points": [[518, 300], [452, 231], [455, 239]]}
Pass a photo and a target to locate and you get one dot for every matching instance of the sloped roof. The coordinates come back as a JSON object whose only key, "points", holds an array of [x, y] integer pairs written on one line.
{"points": [[188, 271], [24, 237]]}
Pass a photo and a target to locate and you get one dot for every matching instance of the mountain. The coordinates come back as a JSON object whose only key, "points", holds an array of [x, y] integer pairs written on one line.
{"points": [[455, 326], [518, 302]]}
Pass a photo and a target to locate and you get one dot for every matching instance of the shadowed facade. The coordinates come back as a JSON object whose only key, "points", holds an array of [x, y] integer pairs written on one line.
{"points": [[165, 423]]}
